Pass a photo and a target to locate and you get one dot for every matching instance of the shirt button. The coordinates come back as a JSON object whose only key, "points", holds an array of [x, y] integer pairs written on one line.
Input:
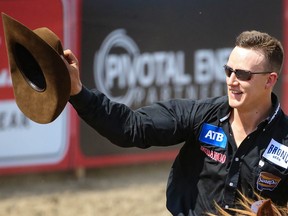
{"points": [[231, 184], [261, 163], [226, 206], [237, 159]]}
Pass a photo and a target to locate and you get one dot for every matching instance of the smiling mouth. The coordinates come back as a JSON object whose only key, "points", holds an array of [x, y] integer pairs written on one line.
{"points": [[235, 92]]}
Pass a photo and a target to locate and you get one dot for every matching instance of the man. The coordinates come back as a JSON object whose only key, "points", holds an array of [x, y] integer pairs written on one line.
{"points": [[234, 142]]}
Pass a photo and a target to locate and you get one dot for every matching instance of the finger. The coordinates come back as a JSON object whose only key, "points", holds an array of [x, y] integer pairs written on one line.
{"points": [[70, 57]]}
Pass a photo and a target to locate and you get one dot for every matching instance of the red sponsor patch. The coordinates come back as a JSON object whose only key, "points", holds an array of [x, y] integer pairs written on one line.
{"points": [[214, 155]]}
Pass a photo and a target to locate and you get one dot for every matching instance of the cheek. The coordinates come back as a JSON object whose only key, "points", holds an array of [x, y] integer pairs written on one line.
{"points": [[261, 85], [255, 84], [255, 90]]}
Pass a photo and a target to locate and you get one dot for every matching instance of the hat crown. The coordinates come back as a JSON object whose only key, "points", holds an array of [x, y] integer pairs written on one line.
{"points": [[50, 38]]}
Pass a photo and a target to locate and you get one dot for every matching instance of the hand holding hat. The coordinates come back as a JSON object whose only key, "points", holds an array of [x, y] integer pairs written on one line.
{"points": [[73, 66], [40, 78]]}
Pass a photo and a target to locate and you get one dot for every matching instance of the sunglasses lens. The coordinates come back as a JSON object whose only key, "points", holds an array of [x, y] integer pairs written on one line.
{"points": [[228, 70], [240, 74], [243, 75]]}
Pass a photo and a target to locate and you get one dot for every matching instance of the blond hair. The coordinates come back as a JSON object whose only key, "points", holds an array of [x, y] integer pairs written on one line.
{"points": [[270, 46]]}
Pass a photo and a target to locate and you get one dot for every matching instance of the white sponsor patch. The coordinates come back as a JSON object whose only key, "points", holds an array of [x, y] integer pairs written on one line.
{"points": [[277, 153]]}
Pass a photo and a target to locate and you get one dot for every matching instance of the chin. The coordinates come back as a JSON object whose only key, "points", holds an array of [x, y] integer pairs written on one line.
{"points": [[234, 103]]}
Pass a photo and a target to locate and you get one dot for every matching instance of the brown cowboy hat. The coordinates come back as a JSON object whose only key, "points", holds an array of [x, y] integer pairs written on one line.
{"points": [[40, 78]]}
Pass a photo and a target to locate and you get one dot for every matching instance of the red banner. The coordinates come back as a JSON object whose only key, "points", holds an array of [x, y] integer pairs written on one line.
{"points": [[25, 145]]}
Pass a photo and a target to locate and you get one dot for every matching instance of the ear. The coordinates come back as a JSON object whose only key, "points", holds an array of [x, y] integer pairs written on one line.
{"points": [[272, 79], [265, 209]]}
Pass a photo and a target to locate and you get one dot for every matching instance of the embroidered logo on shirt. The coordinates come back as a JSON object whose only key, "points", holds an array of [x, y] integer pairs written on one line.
{"points": [[213, 135], [214, 155], [277, 153], [267, 181]]}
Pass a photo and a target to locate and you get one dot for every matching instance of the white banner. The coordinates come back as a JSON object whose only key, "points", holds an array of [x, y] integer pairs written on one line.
{"points": [[24, 142]]}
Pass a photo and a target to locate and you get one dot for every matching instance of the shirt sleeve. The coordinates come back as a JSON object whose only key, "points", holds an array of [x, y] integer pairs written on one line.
{"points": [[160, 124]]}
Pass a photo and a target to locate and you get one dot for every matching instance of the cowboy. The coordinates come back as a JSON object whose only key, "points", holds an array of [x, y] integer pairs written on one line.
{"points": [[232, 143], [228, 139]]}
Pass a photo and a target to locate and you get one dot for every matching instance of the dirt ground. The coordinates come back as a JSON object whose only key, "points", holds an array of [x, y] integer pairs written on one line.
{"points": [[134, 190]]}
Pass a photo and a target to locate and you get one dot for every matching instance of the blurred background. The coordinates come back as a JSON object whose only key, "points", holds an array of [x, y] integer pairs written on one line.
{"points": [[136, 52]]}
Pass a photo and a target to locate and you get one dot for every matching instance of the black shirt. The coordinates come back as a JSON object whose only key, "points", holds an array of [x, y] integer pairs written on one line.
{"points": [[209, 166]]}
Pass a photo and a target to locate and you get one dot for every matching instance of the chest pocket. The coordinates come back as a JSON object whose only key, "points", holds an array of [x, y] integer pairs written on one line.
{"points": [[269, 176], [271, 181]]}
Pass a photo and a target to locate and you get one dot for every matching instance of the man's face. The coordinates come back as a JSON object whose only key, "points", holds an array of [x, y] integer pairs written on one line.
{"points": [[250, 94]]}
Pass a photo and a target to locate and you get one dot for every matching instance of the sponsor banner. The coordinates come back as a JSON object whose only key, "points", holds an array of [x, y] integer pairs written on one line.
{"points": [[145, 51], [25, 143]]}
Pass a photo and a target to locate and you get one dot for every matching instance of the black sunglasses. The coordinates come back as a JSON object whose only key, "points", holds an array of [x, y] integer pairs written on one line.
{"points": [[243, 75]]}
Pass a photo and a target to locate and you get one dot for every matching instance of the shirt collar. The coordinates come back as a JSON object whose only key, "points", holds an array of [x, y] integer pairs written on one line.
{"points": [[276, 108], [224, 111]]}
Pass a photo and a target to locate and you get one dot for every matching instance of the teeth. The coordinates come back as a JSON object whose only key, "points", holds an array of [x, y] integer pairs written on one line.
{"points": [[235, 92]]}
